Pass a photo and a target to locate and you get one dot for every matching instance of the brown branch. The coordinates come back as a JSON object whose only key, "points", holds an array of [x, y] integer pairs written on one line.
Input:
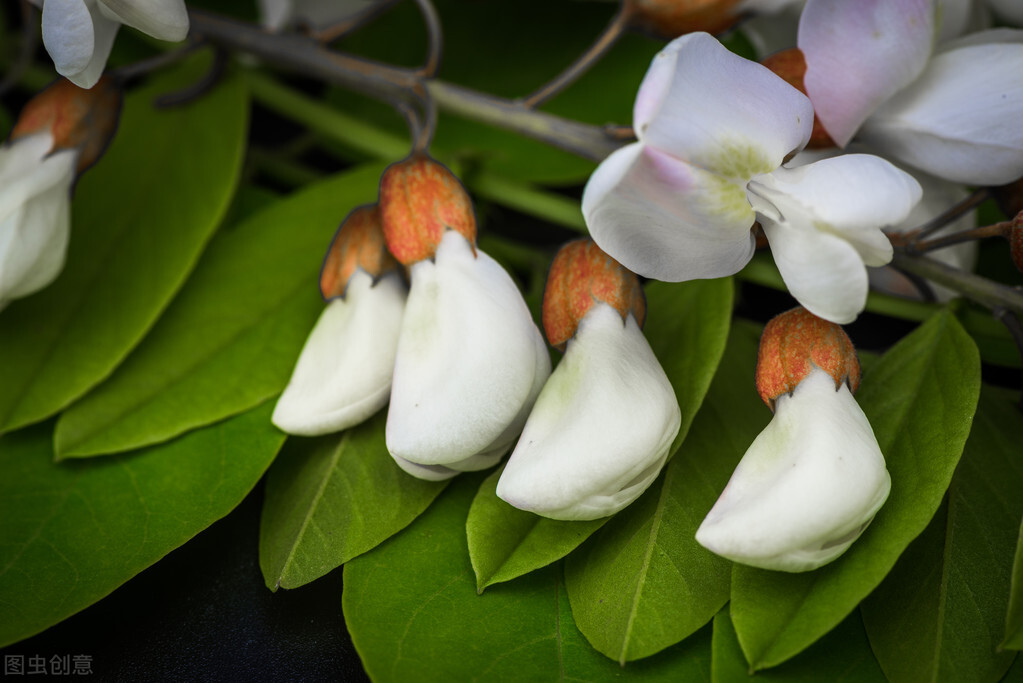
{"points": [[304, 55]]}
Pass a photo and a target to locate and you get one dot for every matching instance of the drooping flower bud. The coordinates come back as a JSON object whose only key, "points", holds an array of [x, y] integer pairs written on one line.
{"points": [[420, 200], [604, 423], [813, 479], [1016, 240], [358, 245], [791, 66], [672, 18], [79, 119], [580, 277], [343, 374], [793, 344]]}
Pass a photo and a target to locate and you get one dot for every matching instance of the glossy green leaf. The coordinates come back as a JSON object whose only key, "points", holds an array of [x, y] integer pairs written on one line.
{"points": [[332, 498], [414, 615], [940, 614], [74, 531], [1014, 616], [642, 582], [920, 399], [505, 542], [687, 326], [140, 219], [842, 655], [229, 341]]}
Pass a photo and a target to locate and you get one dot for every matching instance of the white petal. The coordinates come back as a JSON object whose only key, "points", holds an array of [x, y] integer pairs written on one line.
{"points": [[770, 33], [706, 105], [665, 219], [35, 195], [343, 375], [468, 358], [276, 14], [162, 19], [821, 270], [858, 54], [959, 120], [807, 487], [852, 196], [68, 34], [601, 428]]}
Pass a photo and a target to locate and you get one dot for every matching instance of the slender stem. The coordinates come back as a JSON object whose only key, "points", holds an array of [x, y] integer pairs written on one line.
{"points": [[349, 24], [995, 230], [303, 55], [435, 37], [129, 72], [425, 137], [980, 289], [199, 87], [976, 198], [605, 41], [29, 41]]}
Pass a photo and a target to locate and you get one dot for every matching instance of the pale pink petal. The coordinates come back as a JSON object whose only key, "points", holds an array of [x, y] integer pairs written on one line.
{"points": [[960, 119], [858, 54], [665, 219], [716, 110]]}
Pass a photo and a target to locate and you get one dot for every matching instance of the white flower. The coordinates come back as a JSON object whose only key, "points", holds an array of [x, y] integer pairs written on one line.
{"points": [[601, 428], [35, 198], [343, 375], [714, 130], [807, 487], [873, 71], [79, 34], [469, 365]]}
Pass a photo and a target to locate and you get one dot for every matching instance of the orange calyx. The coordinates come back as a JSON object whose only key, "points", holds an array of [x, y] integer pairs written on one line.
{"points": [[357, 245], [672, 18], [790, 65], [581, 276], [420, 199], [77, 118], [795, 342]]}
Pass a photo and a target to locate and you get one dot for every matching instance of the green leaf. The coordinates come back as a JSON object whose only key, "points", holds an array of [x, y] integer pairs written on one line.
{"points": [[687, 326], [72, 532], [414, 615], [331, 499], [842, 655], [505, 542], [140, 219], [920, 399], [230, 339], [1014, 616], [940, 613], [642, 582]]}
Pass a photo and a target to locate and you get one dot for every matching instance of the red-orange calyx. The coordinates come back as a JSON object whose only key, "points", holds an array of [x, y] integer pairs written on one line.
{"points": [[580, 277], [793, 344], [672, 18], [77, 118], [358, 245], [790, 65], [1016, 240], [420, 199]]}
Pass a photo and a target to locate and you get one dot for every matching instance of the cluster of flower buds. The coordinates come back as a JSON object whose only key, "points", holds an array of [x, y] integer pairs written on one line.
{"points": [[813, 480], [60, 133], [602, 426]]}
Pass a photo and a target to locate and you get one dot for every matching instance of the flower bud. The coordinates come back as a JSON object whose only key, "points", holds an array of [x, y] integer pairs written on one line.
{"points": [[358, 245], [80, 119], [420, 200], [672, 18], [790, 65], [580, 277], [793, 344], [1016, 240]]}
